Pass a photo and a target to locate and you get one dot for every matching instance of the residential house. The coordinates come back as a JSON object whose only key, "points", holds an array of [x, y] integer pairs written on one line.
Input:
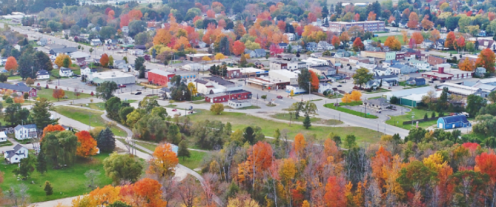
{"points": [[421, 65], [381, 71], [416, 81], [283, 45], [125, 29], [237, 104], [16, 154], [291, 36], [436, 60], [390, 56], [480, 71], [3, 137], [42, 42], [214, 84], [487, 43], [285, 65], [87, 71], [427, 44], [42, 74], [482, 33], [120, 64], [19, 88], [323, 71], [452, 122], [402, 69], [56, 51], [311, 46], [23, 132], [342, 53], [95, 42], [440, 45], [387, 80], [257, 53], [296, 48], [323, 46], [65, 72]]}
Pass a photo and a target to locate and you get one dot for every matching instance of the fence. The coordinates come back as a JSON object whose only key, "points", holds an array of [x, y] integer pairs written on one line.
{"points": [[419, 120]]}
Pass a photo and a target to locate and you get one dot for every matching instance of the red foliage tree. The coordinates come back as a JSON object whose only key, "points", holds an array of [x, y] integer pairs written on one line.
{"points": [[275, 49], [486, 60], [314, 78], [357, 17], [104, 60], [486, 163], [312, 17], [52, 128], [210, 14], [335, 41], [358, 44], [238, 47], [281, 25], [450, 40], [335, 192], [58, 94]]}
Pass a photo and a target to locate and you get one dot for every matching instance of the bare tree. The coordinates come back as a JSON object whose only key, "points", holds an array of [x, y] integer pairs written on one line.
{"points": [[92, 178], [19, 196], [187, 191]]}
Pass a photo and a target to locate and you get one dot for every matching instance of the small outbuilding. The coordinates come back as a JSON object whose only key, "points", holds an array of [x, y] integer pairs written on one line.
{"points": [[16, 155], [452, 122]]}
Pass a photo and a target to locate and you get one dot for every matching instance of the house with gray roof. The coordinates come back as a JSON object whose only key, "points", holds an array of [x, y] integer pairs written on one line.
{"points": [[23, 132], [16, 154]]}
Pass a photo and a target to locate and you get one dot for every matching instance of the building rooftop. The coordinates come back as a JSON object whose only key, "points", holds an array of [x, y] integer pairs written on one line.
{"points": [[219, 80], [160, 72]]}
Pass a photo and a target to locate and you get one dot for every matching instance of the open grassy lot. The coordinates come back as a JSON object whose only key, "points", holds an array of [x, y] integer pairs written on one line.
{"points": [[383, 39], [315, 120], [241, 121], [380, 90], [417, 113], [47, 93], [66, 182], [84, 115], [349, 111]]}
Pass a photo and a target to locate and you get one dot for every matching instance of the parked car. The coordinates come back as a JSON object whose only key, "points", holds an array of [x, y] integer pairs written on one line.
{"points": [[138, 93], [340, 86], [174, 109], [279, 97], [122, 86]]}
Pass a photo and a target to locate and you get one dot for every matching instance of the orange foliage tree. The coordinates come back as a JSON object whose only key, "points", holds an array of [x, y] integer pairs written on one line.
{"points": [[87, 145], [460, 43], [380, 163], [52, 128], [58, 93], [371, 16], [104, 60], [281, 25], [435, 35], [218, 7], [466, 65], [312, 17], [335, 41], [486, 60], [19, 99], [163, 162], [358, 44], [450, 40], [314, 78], [147, 192], [238, 48], [258, 161], [11, 64], [335, 192], [413, 21], [426, 23], [299, 144], [210, 14], [393, 43], [417, 37], [222, 23], [404, 34]]}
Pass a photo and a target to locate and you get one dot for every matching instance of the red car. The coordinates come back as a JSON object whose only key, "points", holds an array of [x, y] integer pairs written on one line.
{"points": [[279, 97], [174, 109]]}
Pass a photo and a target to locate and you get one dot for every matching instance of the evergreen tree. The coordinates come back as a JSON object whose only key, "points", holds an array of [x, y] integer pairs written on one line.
{"points": [[48, 188], [41, 165], [306, 122], [66, 62], [277, 137], [142, 72], [138, 63], [425, 116], [433, 115], [183, 150], [249, 135], [106, 141]]}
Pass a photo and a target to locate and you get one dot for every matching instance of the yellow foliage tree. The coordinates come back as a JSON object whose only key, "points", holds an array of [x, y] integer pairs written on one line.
{"points": [[192, 88], [236, 202], [220, 56], [59, 61], [356, 96], [206, 58], [434, 162], [247, 56], [346, 98]]}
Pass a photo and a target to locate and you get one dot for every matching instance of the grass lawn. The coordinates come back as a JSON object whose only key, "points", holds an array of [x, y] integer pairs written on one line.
{"points": [[47, 93], [383, 39], [418, 114], [316, 120], [66, 182], [381, 90], [96, 106], [377, 97], [248, 107], [349, 111], [242, 120], [83, 115], [15, 77], [6, 143]]}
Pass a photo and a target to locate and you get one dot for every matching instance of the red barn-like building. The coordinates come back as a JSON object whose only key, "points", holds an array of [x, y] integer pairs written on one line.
{"points": [[224, 97], [159, 77]]}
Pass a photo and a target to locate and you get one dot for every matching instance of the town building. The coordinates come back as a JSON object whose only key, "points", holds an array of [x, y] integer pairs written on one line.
{"points": [[410, 97], [160, 77], [19, 88], [231, 95], [453, 122], [16, 154], [214, 84], [461, 89], [416, 81], [323, 71], [237, 104], [277, 79], [367, 26], [23, 132], [435, 60], [65, 72], [119, 78], [245, 72], [284, 65]]}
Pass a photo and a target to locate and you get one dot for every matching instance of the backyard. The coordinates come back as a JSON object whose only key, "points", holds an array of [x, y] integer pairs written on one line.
{"points": [[66, 182], [88, 116], [48, 94], [418, 114], [242, 120]]}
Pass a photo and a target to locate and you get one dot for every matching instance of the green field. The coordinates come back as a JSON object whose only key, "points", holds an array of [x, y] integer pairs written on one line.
{"points": [[83, 115], [383, 39], [349, 111], [418, 114], [315, 120], [66, 182], [242, 120], [48, 94]]}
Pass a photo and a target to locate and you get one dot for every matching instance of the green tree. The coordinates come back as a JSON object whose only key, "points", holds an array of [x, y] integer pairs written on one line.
{"points": [[183, 150], [362, 76], [41, 164], [119, 204], [112, 107], [474, 104], [106, 89], [416, 135], [122, 167], [48, 188], [60, 148], [111, 61], [138, 63], [173, 134], [492, 97], [41, 115], [107, 32], [142, 72], [416, 173], [106, 141], [26, 167], [66, 63], [350, 142], [249, 135], [3, 78], [277, 137], [123, 112], [306, 122], [304, 79]]}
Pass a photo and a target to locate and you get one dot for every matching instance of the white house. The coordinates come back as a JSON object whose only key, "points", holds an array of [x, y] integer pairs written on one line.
{"points": [[16, 155], [291, 36], [421, 65], [125, 29], [3, 137], [23, 132], [65, 72], [236, 104], [95, 42], [42, 75], [135, 52]]}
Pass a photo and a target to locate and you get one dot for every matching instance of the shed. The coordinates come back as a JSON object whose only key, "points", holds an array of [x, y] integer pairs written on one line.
{"points": [[452, 122]]}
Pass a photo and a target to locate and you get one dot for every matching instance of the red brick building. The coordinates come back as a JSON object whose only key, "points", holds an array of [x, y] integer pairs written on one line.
{"points": [[224, 97], [159, 77], [435, 60]]}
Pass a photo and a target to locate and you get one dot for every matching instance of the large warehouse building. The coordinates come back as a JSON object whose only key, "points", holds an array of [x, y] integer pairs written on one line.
{"points": [[118, 77]]}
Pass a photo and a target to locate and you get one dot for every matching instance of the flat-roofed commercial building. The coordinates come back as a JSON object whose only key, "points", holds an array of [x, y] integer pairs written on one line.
{"points": [[370, 26]]}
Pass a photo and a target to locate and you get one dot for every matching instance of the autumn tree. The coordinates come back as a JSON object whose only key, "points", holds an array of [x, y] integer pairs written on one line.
{"points": [[163, 162], [435, 35], [104, 60], [460, 43], [358, 45], [87, 145], [52, 128], [147, 192], [59, 60], [281, 25], [238, 47], [335, 41], [11, 64], [335, 192], [58, 93], [426, 23], [393, 43], [413, 21], [344, 37], [450, 40], [371, 16], [466, 65], [404, 34], [486, 60], [418, 38], [314, 78]]}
